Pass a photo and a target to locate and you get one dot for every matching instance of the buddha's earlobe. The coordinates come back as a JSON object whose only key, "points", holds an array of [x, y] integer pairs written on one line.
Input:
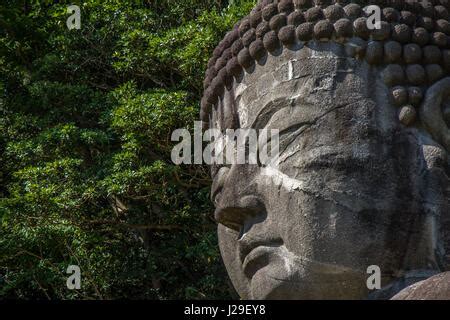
{"points": [[431, 114]]}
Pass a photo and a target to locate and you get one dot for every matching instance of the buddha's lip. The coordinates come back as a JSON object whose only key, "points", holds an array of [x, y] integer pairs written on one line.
{"points": [[258, 258], [248, 245]]}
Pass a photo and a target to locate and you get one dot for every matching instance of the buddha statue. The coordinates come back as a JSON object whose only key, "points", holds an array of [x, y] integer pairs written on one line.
{"points": [[363, 119]]}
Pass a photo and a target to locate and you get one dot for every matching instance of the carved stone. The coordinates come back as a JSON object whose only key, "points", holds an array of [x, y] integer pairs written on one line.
{"points": [[434, 288], [364, 142]]}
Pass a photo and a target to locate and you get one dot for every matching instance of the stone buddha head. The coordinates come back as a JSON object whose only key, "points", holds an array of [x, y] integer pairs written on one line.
{"points": [[363, 146]]}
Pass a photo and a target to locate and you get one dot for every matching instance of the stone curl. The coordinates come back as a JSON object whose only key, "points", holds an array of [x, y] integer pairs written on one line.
{"points": [[412, 43]]}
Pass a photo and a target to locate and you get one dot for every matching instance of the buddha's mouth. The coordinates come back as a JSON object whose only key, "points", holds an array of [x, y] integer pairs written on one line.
{"points": [[255, 254], [259, 258], [260, 254]]}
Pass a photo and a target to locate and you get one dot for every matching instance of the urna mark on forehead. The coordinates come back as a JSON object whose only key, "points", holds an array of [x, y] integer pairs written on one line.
{"points": [[409, 51]]}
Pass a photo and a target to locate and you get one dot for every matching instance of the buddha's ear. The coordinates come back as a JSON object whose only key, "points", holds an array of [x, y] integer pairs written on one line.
{"points": [[432, 112]]}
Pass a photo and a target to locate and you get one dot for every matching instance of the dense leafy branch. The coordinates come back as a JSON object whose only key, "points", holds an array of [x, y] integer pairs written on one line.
{"points": [[85, 172]]}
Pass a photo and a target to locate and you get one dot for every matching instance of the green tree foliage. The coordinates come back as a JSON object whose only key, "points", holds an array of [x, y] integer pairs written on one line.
{"points": [[85, 172]]}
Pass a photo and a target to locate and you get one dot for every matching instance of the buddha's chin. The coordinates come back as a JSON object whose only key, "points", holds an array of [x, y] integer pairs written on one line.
{"points": [[279, 281], [269, 283]]}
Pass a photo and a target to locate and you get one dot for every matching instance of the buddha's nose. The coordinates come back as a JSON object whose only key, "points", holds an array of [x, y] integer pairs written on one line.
{"points": [[235, 203]]}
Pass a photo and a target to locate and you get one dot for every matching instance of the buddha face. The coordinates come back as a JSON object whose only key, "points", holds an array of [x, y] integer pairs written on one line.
{"points": [[353, 187]]}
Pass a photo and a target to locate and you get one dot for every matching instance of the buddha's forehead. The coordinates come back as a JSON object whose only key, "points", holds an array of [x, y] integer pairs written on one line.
{"points": [[410, 50], [303, 85]]}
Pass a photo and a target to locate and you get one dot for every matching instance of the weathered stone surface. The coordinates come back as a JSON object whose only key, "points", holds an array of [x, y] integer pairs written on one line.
{"points": [[340, 188], [434, 288], [413, 30], [364, 141]]}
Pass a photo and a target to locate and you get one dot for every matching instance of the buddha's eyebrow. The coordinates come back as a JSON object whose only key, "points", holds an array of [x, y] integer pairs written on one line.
{"points": [[266, 113]]}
